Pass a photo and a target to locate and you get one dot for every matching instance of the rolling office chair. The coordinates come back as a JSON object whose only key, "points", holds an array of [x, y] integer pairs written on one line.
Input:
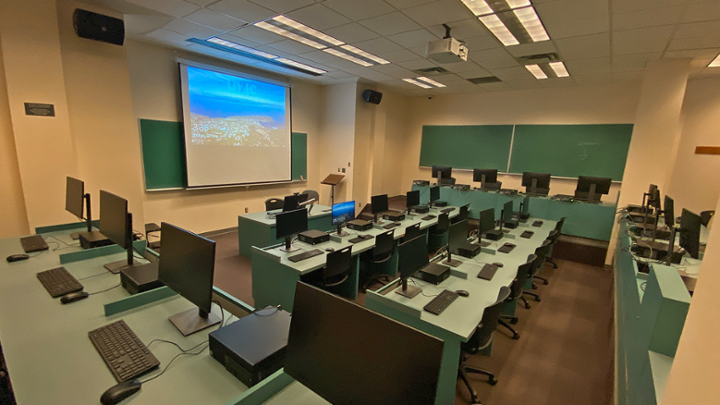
{"points": [[481, 339], [558, 228], [337, 269], [553, 237], [274, 204], [412, 232], [312, 194], [540, 254], [438, 232], [516, 293], [706, 216], [381, 253], [462, 215]]}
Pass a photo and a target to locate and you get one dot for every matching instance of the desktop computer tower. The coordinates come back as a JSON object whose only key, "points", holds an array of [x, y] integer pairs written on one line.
{"points": [[420, 209], [440, 204], [433, 273], [469, 250], [140, 278], [511, 224], [313, 237], [495, 234], [94, 239], [359, 225], [395, 217]]}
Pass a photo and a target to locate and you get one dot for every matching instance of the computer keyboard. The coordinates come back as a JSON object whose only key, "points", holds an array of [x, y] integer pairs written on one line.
{"points": [[527, 234], [122, 351], [305, 255], [506, 248], [487, 272], [360, 238], [34, 243], [438, 304], [537, 223], [392, 225], [446, 210], [508, 191], [59, 281], [428, 217]]}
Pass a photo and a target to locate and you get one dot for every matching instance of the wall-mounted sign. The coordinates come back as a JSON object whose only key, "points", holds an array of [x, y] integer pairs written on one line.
{"points": [[43, 110]]}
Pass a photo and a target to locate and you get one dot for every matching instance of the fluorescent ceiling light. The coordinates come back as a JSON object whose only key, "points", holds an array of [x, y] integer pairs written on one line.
{"points": [[431, 81], [715, 62], [496, 26], [532, 24], [243, 48], [559, 69], [478, 7], [300, 65], [304, 28], [417, 83], [536, 71], [343, 55], [288, 34], [518, 3], [364, 54]]}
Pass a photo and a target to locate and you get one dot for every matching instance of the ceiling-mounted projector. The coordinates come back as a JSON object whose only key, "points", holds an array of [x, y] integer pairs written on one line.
{"points": [[447, 50]]}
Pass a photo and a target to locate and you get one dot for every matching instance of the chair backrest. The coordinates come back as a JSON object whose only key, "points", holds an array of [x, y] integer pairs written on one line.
{"points": [[338, 266], [518, 285], [559, 225], [706, 216], [312, 194], [412, 232], [554, 236], [540, 252], [483, 336], [274, 204], [493, 186], [442, 224], [462, 215], [384, 246]]}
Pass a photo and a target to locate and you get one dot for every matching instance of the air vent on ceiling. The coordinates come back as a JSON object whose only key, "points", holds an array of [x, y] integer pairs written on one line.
{"points": [[537, 59], [484, 80], [432, 71]]}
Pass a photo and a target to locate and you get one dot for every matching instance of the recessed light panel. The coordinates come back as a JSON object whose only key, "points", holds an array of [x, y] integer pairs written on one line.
{"points": [[715, 62], [536, 71], [345, 56], [559, 69], [417, 83], [498, 28], [431, 81]]}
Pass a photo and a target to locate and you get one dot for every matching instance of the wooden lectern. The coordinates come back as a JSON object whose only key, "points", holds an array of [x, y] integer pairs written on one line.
{"points": [[333, 180]]}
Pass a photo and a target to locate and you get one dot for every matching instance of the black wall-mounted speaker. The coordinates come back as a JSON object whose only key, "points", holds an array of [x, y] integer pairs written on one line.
{"points": [[372, 96], [98, 27]]}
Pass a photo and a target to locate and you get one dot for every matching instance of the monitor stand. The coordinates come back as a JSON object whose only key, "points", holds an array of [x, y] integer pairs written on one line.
{"points": [[482, 184], [408, 290], [191, 321], [591, 195], [115, 267], [533, 187], [450, 261], [288, 248], [340, 232]]}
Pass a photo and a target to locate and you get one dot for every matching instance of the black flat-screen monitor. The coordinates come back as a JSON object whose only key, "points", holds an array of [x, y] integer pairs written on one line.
{"points": [[412, 256], [187, 266], [542, 182], [113, 219], [292, 202], [379, 203], [444, 171], [342, 213], [525, 206], [602, 184], [690, 224], [413, 198], [288, 224], [74, 197], [457, 235], [654, 199], [323, 354], [434, 194], [490, 175], [669, 211], [487, 220], [507, 212]]}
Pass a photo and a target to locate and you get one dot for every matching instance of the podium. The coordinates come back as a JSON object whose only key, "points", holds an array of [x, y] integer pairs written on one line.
{"points": [[332, 181]]}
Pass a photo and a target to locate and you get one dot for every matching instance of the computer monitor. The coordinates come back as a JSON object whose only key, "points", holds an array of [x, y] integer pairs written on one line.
{"points": [[75, 197], [507, 212], [412, 256], [654, 200], [116, 225], [379, 204], [457, 236], [401, 366], [485, 176], [690, 224], [536, 183], [524, 212], [412, 199], [292, 202], [434, 194], [590, 188], [288, 224], [441, 173], [669, 212], [342, 213], [487, 222], [187, 265]]}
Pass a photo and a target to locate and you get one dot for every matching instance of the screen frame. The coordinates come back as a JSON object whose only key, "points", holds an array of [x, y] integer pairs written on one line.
{"points": [[184, 101]]}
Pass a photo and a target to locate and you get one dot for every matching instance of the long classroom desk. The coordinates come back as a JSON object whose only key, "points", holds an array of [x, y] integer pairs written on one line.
{"points": [[593, 221], [258, 229], [49, 356], [274, 276]]}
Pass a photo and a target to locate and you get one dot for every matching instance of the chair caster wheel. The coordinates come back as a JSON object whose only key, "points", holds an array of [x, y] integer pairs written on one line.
{"points": [[492, 381], [516, 337], [514, 321], [537, 299]]}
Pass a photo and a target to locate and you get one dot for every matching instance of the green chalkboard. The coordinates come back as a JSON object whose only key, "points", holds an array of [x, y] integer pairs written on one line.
{"points": [[163, 150], [571, 150], [466, 146]]}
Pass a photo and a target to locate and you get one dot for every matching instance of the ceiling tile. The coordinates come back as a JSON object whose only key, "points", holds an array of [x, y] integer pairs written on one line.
{"points": [[419, 50], [593, 80], [417, 64], [586, 53], [413, 38], [318, 16], [499, 86], [342, 64], [489, 54], [695, 53], [258, 35], [351, 33], [401, 4], [175, 8], [167, 36], [321, 57], [440, 12], [378, 45], [191, 30], [471, 74], [338, 74], [694, 43], [141, 24], [202, 2], [623, 63], [653, 39], [467, 28], [589, 66], [291, 47], [702, 12], [390, 24], [510, 73], [698, 29], [572, 10], [525, 84], [283, 6], [499, 63], [402, 55], [622, 77], [243, 10], [533, 48], [583, 47], [214, 19], [461, 67], [558, 82], [573, 28], [482, 42], [359, 10], [647, 18], [238, 40], [393, 70]]}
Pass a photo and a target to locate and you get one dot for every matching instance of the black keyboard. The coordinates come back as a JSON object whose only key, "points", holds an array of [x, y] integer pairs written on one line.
{"points": [[527, 234], [59, 281], [392, 225], [122, 351], [305, 255], [537, 223], [428, 217], [360, 238], [34, 243], [446, 210], [506, 248], [487, 272], [441, 302]]}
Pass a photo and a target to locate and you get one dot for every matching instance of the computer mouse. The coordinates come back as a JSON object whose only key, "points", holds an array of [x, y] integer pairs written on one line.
{"points": [[74, 296], [462, 293], [119, 392], [17, 258], [329, 250], [498, 264]]}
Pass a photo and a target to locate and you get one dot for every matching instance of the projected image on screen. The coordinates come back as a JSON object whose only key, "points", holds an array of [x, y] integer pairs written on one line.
{"points": [[237, 129]]}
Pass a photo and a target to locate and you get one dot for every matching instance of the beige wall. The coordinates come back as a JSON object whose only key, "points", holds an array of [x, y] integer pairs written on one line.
{"points": [[577, 105]]}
